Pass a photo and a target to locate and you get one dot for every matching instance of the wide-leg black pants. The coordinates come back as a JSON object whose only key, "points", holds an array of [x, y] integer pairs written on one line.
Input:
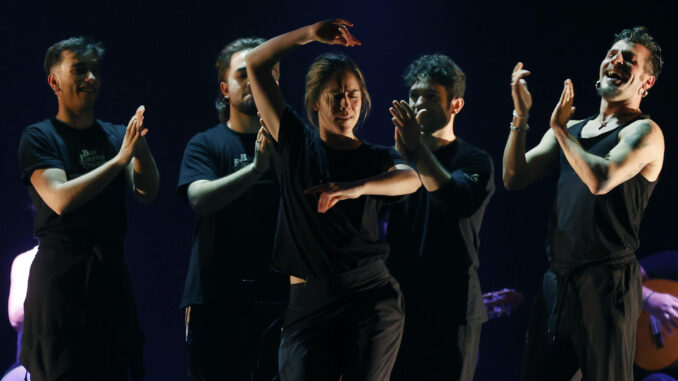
{"points": [[590, 324], [349, 326]]}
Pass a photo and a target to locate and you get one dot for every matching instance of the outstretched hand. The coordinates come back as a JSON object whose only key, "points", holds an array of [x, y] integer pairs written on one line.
{"points": [[564, 109], [522, 99], [332, 193], [333, 32]]}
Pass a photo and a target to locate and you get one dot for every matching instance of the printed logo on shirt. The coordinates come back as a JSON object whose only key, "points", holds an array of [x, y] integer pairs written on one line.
{"points": [[242, 161], [473, 177], [90, 159]]}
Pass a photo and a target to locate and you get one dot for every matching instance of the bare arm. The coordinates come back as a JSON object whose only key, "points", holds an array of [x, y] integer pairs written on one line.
{"points": [[261, 60], [398, 180], [63, 195], [520, 168], [640, 150], [143, 173], [208, 196]]}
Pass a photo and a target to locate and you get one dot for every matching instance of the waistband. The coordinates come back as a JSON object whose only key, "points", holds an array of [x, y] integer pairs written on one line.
{"points": [[363, 278], [620, 258]]}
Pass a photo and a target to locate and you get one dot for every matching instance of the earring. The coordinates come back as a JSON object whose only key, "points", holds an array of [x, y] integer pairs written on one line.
{"points": [[597, 84], [645, 93], [225, 99]]}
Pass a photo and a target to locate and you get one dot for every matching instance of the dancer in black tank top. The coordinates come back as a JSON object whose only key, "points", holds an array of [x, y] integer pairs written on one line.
{"points": [[585, 317]]}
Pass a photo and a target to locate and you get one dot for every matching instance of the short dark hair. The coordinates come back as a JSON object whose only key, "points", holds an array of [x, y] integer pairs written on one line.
{"points": [[323, 68], [640, 35], [440, 69], [78, 45], [222, 65]]}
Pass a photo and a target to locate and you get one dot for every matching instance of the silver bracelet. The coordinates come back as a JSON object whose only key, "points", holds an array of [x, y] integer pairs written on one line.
{"points": [[514, 128]]}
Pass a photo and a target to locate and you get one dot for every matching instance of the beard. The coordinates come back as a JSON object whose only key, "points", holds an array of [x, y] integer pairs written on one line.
{"points": [[247, 107]]}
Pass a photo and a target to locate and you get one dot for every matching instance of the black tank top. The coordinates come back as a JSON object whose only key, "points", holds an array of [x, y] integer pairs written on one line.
{"points": [[586, 229]]}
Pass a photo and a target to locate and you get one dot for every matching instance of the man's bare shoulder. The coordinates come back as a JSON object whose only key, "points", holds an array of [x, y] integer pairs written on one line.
{"points": [[640, 131]]}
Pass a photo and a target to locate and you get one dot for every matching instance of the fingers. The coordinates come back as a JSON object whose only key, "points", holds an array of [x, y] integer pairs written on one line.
{"points": [[518, 73], [420, 114], [263, 124], [343, 21], [402, 111], [518, 66], [348, 37], [137, 121]]}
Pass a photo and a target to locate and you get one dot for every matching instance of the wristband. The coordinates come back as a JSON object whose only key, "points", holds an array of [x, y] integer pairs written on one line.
{"points": [[514, 128], [647, 298]]}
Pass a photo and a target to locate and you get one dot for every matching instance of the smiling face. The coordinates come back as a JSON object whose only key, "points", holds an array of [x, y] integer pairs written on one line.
{"points": [[339, 104], [75, 80], [623, 72]]}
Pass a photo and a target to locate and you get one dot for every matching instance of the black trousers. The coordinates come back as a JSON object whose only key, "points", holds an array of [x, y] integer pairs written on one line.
{"points": [[592, 324], [452, 355], [80, 316], [349, 326], [233, 341]]}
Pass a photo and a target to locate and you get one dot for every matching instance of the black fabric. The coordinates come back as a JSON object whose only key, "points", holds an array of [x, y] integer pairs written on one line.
{"points": [[349, 326], [314, 245], [586, 228], [235, 243], [52, 144], [80, 316], [434, 239], [596, 329], [238, 341], [452, 356]]}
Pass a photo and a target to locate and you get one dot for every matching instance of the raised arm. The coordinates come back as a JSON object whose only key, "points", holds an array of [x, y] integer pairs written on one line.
{"points": [[142, 173], [208, 196], [640, 150], [260, 61], [520, 168], [63, 195], [398, 180]]}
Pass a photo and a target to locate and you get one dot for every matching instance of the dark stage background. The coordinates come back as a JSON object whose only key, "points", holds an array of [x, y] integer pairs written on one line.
{"points": [[161, 54]]}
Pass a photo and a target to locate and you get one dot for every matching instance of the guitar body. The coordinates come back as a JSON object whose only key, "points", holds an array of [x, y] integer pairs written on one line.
{"points": [[648, 355], [16, 373]]}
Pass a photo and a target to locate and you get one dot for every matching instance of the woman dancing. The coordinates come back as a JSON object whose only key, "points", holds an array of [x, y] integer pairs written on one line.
{"points": [[345, 316]]}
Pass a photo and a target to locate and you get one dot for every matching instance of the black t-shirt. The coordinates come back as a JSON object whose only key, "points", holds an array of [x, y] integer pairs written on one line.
{"points": [[434, 236], [234, 243], [315, 245], [587, 228], [53, 144]]}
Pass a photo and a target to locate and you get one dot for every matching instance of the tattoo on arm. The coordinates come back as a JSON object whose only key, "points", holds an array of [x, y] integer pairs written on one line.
{"points": [[636, 139]]}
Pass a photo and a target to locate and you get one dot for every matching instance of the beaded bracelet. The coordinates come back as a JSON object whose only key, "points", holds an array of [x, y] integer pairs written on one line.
{"points": [[514, 128]]}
